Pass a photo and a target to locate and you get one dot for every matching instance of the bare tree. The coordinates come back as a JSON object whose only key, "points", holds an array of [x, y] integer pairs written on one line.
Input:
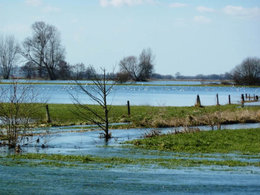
{"points": [[98, 92], [146, 60], [79, 71], [44, 49], [17, 108], [248, 72], [138, 69], [129, 65], [9, 55]]}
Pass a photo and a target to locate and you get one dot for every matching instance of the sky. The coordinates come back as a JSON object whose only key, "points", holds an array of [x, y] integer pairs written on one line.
{"points": [[187, 36]]}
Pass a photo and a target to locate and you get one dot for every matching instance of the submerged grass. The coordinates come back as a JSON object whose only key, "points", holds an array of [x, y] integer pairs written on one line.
{"points": [[245, 141], [93, 162]]}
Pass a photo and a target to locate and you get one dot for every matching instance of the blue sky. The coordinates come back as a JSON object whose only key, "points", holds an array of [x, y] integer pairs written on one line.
{"points": [[190, 37]]}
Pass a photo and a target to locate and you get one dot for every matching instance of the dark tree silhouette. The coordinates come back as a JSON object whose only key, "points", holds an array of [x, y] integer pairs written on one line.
{"points": [[138, 69], [248, 72]]}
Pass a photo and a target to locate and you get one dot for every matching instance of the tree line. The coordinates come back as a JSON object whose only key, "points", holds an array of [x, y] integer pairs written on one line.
{"points": [[43, 57]]}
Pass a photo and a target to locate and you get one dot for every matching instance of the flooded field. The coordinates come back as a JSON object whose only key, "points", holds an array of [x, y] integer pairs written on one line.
{"points": [[153, 94], [42, 180], [116, 168], [28, 176]]}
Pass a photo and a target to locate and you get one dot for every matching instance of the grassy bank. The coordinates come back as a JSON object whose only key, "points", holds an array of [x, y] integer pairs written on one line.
{"points": [[189, 150], [148, 116], [246, 141]]}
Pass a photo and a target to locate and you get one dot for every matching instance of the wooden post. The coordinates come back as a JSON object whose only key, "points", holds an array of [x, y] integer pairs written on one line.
{"points": [[217, 100], [198, 103], [128, 108], [48, 114], [246, 96], [242, 100], [249, 97], [229, 99]]}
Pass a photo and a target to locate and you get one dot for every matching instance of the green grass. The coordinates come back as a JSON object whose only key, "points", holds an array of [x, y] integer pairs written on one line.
{"points": [[148, 116], [246, 141], [57, 160]]}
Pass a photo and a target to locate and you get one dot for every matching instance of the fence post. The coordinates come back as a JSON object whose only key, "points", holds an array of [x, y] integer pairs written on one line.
{"points": [[128, 108], [229, 99], [242, 100], [198, 103], [217, 100], [48, 114]]}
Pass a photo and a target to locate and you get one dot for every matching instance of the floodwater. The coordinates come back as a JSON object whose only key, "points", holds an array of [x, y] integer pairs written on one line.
{"points": [[157, 82], [126, 179], [42, 180], [155, 95]]}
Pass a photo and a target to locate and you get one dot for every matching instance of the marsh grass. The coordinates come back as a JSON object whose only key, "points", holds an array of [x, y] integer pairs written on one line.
{"points": [[221, 141]]}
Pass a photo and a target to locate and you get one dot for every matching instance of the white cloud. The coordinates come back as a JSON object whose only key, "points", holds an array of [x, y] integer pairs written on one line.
{"points": [[201, 19], [205, 9], [118, 3], [51, 9], [241, 11], [176, 5], [35, 3]]}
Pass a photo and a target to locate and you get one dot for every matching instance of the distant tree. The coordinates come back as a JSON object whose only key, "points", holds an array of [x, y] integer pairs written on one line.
{"points": [[178, 75], [64, 70], [44, 49], [29, 70], [9, 55], [122, 77], [159, 76], [146, 60], [248, 72], [138, 69], [90, 73], [78, 71], [129, 65]]}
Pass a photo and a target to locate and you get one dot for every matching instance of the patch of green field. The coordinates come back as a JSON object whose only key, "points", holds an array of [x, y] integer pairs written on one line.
{"points": [[55, 160], [246, 141], [148, 116]]}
